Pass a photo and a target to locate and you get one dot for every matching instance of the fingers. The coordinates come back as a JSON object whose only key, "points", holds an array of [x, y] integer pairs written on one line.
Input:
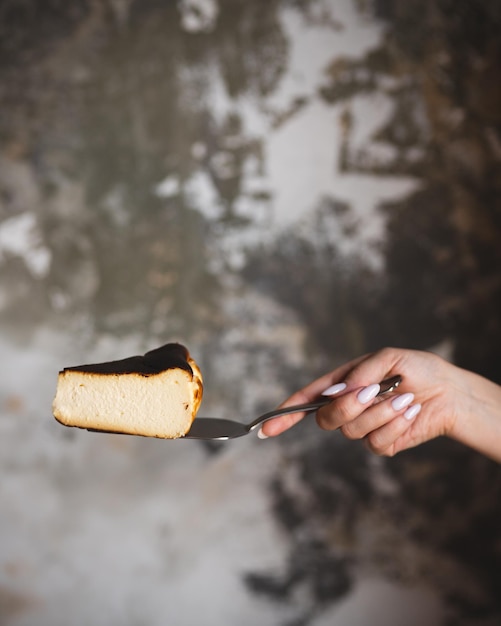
{"points": [[386, 439], [359, 374], [311, 392], [375, 367], [380, 422], [356, 421]]}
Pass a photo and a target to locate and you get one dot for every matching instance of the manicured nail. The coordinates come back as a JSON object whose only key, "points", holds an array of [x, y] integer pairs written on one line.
{"points": [[368, 393], [412, 411], [399, 402], [331, 391], [261, 435]]}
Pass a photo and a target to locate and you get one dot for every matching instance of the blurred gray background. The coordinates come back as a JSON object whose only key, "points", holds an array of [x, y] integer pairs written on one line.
{"points": [[281, 185]]}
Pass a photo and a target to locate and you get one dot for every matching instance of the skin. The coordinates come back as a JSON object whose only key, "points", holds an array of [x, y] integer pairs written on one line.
{"points": [[454, 402]]}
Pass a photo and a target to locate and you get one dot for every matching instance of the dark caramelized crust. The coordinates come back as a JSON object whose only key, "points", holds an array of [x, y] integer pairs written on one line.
{"points": [[169, 356]]}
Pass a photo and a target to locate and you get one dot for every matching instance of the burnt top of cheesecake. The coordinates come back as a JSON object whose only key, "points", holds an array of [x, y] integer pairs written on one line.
{"points": [[169, 356]]}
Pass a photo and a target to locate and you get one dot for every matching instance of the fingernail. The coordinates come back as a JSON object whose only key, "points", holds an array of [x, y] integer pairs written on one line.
{"points": [[331, 391], [399, 402], [261, 435], [368, 393], [412, 411]]}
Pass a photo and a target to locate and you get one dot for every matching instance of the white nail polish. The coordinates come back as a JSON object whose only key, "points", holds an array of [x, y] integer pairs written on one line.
{"points": [[368, 393], [412, 411], [261, 435], [337, 388], [399, 402]]}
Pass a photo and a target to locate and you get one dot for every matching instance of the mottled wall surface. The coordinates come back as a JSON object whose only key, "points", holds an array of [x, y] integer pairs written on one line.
{"points": [[281, 185]]}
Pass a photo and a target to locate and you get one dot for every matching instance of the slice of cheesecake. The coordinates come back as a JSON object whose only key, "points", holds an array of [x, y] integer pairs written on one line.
{"points": [[155, 395]]}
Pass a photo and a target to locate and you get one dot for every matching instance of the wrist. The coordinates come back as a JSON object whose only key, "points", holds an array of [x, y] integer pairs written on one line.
{"points": [[477, 422]]}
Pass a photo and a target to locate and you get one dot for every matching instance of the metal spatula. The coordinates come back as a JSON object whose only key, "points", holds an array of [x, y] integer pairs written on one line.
{"points": [[220, 429]]}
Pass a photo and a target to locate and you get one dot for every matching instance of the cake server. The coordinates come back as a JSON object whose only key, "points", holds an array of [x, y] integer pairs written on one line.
{"points": [[220, 429]]}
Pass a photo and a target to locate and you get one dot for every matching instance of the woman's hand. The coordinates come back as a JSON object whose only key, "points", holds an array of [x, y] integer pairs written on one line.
{"points": [[435, 398]]}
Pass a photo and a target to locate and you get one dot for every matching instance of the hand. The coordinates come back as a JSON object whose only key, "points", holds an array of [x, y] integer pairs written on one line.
{"points": [[435, 398]]}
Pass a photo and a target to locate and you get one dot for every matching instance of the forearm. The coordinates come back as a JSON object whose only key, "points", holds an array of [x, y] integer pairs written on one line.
{"points": [[478, 425]]}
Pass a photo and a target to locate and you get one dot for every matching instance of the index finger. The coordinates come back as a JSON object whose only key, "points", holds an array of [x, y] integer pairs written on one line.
{"points": [[311, 392]]}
